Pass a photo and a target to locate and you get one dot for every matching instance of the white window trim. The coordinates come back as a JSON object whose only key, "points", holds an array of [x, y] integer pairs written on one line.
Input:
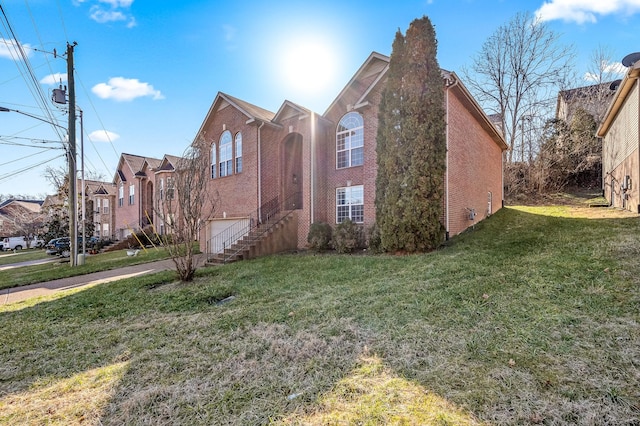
{"points": [[348, 190], [349, 149]]}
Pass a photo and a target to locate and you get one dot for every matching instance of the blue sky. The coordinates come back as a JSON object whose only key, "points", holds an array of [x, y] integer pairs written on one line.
{"points": [[147, 71]]}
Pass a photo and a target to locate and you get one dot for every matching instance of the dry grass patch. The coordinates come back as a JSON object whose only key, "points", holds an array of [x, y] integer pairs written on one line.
{"points": [[372, 395], [78, 400]]}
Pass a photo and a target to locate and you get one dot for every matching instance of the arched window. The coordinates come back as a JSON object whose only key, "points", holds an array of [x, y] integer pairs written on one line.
{"points": [[226, 154], [350, 141], [238, 152], [214, 162]]}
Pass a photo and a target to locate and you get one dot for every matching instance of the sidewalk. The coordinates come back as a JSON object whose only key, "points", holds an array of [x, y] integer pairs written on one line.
{"points": [[18, 294]]}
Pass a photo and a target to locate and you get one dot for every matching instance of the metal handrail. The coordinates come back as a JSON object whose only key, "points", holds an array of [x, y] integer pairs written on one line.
{"points": [[229, 236], [266, 212]]}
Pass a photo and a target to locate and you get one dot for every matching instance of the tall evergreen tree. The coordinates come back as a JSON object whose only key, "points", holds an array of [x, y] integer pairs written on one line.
{"points": [[411, 144]]}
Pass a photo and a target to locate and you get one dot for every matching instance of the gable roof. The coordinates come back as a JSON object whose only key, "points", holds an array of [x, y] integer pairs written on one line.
{"points": [[135, 164], [168, 163], [454, 83], [592, 99], [31, 205], [290, 109], [252, 112], [624, 88], [376, 64]]}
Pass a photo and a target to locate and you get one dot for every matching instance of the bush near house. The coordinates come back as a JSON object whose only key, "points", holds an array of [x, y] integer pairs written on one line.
{"points": [[320, 235], [348, 236]]}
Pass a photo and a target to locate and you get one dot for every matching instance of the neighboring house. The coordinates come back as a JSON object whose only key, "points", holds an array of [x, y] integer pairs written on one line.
{"points": [[101, 197], [594, 99], [323, 167], [134, 185], [20, 217], [620, 135], [163, 177]]}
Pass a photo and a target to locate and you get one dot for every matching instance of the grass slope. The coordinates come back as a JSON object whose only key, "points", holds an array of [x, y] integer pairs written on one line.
{"points": [[530, 318]]}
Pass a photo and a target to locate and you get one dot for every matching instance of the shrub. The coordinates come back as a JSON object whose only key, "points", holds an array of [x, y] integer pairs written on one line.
{"points": [[319, 236], [374, 242], [347, 237]]}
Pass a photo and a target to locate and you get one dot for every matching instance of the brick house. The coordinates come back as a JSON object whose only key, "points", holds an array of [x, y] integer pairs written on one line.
{"points": [[163, 178], [620, 133], [134, 183], [323, 167], [101, 197]]}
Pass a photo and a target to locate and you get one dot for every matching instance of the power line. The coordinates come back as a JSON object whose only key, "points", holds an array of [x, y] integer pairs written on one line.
{"points": [[20, 58], [16, 173], [23, 158]]}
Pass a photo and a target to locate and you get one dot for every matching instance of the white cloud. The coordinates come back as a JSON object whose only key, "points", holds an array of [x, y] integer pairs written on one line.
{"points": [[118, 3], [608, 68], [103, 16], [125, 89], [9, 49], [103, 136], [53, 79], [116, 11], [585, 11]]}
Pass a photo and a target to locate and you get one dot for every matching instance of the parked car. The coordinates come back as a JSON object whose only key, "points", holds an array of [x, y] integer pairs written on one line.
{"points": [[51, 247]]}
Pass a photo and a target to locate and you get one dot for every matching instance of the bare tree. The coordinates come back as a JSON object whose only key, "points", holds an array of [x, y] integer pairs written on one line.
{"points": [[517, 75], [602, 71], [185, 205]]}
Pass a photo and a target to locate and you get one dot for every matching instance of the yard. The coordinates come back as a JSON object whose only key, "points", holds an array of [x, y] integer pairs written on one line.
{"points": [[530, 318]]}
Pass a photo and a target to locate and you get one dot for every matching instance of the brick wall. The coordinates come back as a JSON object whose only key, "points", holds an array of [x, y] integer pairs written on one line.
{"points": [[474, 168], [127, 216], [364, 175]]}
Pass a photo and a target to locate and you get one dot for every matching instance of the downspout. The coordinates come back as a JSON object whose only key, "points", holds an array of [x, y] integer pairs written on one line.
{"points": [[259, 218], [449, 85], [313, 164]]}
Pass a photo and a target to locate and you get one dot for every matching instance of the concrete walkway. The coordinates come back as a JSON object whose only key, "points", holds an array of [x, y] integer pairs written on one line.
{"points": [[17, 294]]}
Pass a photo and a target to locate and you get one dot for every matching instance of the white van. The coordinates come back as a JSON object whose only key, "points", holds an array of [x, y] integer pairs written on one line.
{"points": [[19, 243]]}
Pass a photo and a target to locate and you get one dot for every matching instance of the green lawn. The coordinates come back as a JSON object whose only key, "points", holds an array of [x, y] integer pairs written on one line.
{"points": [[60, 268], [7, 257], [530, 318]]}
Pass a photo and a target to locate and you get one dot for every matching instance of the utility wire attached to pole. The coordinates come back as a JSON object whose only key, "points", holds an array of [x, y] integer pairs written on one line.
{"points": [[73, 193]]}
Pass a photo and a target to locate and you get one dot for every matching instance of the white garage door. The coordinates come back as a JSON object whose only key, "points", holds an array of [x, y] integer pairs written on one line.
{"points": [[225, 232]]}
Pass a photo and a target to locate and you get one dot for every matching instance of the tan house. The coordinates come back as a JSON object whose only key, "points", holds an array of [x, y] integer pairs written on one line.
{"points": [[18, 217], [308, 167], [593, 99], [620, 133]]}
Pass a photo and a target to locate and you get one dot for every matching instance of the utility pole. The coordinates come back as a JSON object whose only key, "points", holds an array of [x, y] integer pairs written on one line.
{"points": [[73, 193]]}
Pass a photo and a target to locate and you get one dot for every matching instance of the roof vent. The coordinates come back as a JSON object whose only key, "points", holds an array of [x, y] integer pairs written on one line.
{"points": [[614, 84]]}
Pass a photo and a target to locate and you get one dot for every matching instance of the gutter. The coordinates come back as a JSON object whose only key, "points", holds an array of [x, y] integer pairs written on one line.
{"points": [[620, 97], [259, 172]]}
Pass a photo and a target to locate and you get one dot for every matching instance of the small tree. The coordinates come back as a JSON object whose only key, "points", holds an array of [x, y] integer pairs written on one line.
{"points": [[411, 144], [185, 206], [571, 153]]}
